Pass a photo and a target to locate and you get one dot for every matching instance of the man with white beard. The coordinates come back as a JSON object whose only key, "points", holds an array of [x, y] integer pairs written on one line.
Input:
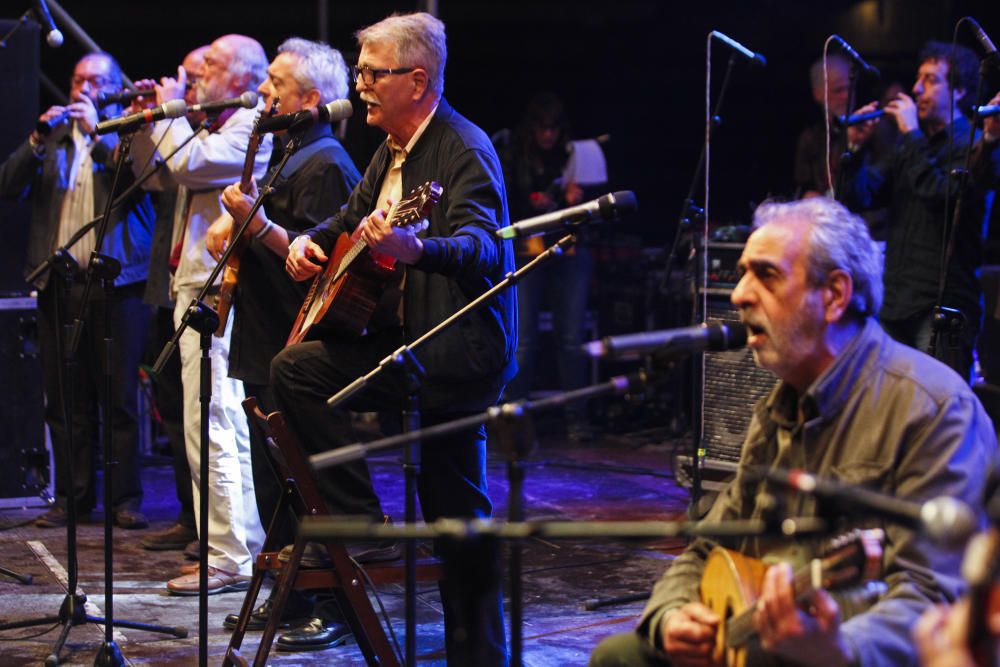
{"points": [[202, 169]]}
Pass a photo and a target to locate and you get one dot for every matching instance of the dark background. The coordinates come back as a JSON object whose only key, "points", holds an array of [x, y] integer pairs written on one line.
{"points": [[631, 68]]}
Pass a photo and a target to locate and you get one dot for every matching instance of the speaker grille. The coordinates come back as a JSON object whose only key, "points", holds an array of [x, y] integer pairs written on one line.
{"points": [[732, 385]]}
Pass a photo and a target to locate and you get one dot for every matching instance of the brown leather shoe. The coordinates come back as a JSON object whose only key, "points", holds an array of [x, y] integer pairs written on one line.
{"points": [[190, 568], [219, 581], [54, 518], [177, 536], [130, 519]]}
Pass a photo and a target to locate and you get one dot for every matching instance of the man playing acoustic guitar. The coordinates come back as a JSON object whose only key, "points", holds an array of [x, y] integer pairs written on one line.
{"points": [[448, 261], [851, 405]]}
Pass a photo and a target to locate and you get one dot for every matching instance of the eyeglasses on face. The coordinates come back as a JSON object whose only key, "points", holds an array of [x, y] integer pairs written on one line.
{"points": [[369, 75], [100, 82]]}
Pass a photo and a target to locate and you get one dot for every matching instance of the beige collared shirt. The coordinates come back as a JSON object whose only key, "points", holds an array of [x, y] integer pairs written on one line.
{"points": [[392, 184], [78, 203]]}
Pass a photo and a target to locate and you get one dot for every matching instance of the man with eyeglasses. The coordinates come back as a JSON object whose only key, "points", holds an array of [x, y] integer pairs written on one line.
{"points": [[446, 262], [66, 172]]}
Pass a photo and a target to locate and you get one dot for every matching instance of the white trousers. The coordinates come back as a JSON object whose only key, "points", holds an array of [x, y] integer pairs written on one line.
{"points": [[235, 534]]}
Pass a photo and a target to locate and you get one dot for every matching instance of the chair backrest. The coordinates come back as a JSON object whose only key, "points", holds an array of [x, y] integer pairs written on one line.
{"points": [[287, 458]]}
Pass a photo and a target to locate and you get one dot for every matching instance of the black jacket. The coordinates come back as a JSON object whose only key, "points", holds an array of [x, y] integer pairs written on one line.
{"points": [[44, 181], [468, 365], [913, 181]]}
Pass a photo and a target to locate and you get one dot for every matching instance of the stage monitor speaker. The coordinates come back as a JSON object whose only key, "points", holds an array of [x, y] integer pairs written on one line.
{"points": [[19, 69], [733, 383], [24, 454]]}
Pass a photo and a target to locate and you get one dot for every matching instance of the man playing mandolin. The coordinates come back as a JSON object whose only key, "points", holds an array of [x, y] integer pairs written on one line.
{"points": [[851, 405], [400, 77]]}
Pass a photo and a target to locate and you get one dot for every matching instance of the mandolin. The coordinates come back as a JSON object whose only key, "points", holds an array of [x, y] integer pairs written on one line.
{"points": [[345, 294], [731, 584]]}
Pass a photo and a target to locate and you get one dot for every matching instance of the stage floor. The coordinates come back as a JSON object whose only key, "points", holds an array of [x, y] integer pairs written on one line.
{"points": [[624, 477]]}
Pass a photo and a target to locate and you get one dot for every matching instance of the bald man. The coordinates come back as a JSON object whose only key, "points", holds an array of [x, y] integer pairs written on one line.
{"points": [[201, 169], [67, 175]]}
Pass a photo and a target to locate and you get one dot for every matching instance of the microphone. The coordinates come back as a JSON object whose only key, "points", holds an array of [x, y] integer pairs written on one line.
{"points": [[672, 343], [608, 207], [856, 57], [53, 37], [755, 58], [332, 112], [171, 109], [983, 39], [247, 100], [943, 520]]}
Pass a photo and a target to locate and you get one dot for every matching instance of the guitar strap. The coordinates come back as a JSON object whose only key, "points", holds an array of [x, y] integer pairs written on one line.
{"points": [[302, 155]]}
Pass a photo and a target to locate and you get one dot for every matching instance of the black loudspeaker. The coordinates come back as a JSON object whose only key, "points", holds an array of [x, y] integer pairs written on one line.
{"points": [[24, 456], [732, 382], [19, 110]]}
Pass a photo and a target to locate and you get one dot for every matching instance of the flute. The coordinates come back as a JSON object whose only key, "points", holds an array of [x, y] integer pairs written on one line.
{"points": [[124, 97], [847, 121]]}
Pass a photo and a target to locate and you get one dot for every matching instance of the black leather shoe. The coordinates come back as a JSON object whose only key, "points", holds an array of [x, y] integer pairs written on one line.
{"points": [[260, 615], [315, 635]]}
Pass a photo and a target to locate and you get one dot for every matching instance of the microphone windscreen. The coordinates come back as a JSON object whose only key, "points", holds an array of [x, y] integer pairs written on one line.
{"points": [[54, 38], [625, 201], [339, 110], [248, 99], [174, 108]]}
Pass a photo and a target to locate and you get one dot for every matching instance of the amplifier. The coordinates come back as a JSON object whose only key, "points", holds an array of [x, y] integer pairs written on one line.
{"points": [[732, 384], [24, 450]]}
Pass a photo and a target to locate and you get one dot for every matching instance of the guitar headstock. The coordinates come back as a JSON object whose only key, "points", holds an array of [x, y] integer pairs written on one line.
{"points": [[852, 558], [266, 113], [418, 204]]}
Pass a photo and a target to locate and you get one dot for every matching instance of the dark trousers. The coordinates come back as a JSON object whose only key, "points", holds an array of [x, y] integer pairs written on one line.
{"points": [[129, 318], [169, 396], [451, 483]]}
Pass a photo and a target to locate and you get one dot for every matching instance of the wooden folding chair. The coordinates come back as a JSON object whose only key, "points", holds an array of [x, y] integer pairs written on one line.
{"points": [[344, 577]]}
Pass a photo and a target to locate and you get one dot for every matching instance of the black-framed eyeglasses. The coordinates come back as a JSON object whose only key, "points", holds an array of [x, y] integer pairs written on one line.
{"points": [[369, 75]]}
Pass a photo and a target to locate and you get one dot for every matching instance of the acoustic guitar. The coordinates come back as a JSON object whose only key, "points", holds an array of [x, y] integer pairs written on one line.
{"points": [[345, 294], [231, 274], [731, 584]]}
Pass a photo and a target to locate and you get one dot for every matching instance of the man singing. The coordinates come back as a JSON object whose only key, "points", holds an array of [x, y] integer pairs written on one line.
{"points": [[852, 404], [400, 76]]}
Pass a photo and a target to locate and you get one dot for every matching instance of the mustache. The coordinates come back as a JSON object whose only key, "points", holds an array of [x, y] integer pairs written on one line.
{"points": [[369, 99]]}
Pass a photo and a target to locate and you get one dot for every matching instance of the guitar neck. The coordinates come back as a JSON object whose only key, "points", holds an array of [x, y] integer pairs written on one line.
{"points": [[248, 163], [740, 628]]}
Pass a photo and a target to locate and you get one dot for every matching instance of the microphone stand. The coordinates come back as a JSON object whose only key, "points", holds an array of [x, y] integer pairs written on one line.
{"points": [[699, 293], [326, 527], [515, 429], [403, 357], [202, 318], [72, 612]]}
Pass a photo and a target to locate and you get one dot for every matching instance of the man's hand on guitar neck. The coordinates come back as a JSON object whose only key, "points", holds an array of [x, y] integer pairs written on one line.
{"points": [[688, 635], [785, 630], [400, 242]]}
